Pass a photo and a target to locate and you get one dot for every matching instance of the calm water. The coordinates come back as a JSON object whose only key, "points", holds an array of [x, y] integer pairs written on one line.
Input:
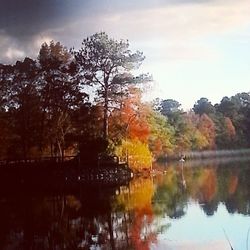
{"points": [[202, 205]]}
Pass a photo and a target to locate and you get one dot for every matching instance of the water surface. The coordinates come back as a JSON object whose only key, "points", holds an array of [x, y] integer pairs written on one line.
{"points": [[200, 205]]}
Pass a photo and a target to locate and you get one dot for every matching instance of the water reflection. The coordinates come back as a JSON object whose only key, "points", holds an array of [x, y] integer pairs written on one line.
{"points": [[208, 185], [148, 213]]}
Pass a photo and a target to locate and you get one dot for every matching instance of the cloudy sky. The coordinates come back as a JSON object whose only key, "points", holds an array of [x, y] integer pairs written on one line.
{"points": [[193, 48]]}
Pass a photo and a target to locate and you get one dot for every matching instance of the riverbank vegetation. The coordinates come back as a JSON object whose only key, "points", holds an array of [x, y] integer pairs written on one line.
{"points": [[89, 98]]}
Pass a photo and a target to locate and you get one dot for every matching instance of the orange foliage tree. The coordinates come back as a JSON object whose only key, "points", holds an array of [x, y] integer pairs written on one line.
{"points": [[230, 129], [131, 130], [198, 140], [129, 120], [207, 128]]}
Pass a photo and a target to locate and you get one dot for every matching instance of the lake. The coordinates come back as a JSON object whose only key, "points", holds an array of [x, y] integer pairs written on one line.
{"points": [[191, 205]]}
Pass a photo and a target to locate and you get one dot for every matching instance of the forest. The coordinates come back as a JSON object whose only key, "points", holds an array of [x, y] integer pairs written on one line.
{"points": [[90, 100]]}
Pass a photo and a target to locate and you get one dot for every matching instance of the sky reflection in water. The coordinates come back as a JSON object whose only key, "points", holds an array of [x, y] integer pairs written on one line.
{"points": [[217, 203], [196, 230]]}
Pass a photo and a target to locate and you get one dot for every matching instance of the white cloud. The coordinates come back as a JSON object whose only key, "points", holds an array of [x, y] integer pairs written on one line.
{"points": [[176, 26], [178, 51], [183, 21], [172, 32], [9, 49], [12, 50], [40, 39], [12, 53]]}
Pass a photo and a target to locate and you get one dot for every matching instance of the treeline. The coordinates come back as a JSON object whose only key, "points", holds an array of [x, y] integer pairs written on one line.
{"points": [[89, 100], [208, 127]]}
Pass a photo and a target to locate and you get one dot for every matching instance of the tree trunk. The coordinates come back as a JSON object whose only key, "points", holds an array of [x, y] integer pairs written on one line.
{"points": [[60, 149], [105, 115], [111, 234]]}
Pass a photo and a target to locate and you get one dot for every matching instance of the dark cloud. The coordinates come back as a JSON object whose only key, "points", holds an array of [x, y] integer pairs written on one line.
{"points": [[22, 22], [24, 18]]}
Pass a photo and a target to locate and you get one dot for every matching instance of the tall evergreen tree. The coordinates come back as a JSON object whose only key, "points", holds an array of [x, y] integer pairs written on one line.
{"points": [[106, 64]]}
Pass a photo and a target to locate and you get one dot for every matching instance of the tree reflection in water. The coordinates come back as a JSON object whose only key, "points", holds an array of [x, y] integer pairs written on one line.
{"points": [[111, 218], [126, 217]]}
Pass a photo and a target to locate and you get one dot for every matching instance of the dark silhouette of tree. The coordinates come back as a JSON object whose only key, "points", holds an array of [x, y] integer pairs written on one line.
{"points": [[5, 139], [228, 107], [203, 106], [60, 94], [171, 109], [6, 76], [169, 106], [22, 107]]}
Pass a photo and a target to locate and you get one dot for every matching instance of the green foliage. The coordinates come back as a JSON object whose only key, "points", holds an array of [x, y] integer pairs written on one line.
{"points": [[197, 140], [169, 198], [161, 135], [170, 109], [169, 106]]}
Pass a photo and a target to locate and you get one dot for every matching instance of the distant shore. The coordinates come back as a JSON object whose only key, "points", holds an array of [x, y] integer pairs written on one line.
{"points": [[207, 154]]}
